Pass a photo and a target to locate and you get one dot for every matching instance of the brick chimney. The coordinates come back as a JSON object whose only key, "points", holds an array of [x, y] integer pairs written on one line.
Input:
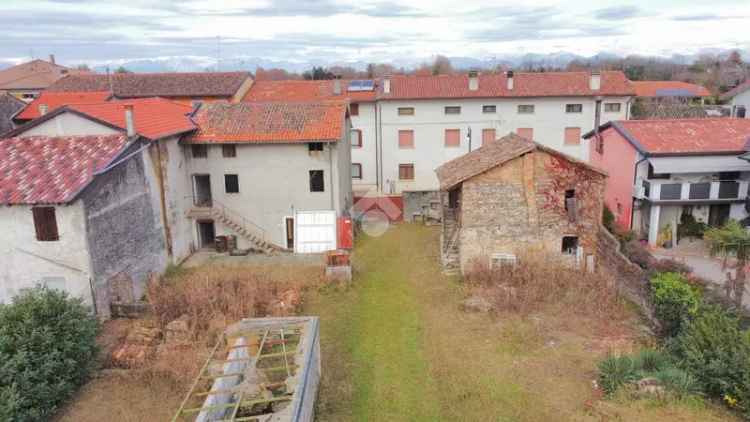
{"points": [[509, 76], [129, 121], [387, 84], [337, 85], [473, 80], [52, 58], [43, 108]]}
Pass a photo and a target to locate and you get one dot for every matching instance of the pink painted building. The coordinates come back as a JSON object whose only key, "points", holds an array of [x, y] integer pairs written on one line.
{"points": [[661, 170]]}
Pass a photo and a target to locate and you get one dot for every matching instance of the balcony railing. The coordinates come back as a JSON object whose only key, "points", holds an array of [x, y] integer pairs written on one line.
{"points": [[724, 190]]}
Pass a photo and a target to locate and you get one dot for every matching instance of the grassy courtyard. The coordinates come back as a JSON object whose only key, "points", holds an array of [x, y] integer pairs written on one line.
{"points": [[396, 347]]}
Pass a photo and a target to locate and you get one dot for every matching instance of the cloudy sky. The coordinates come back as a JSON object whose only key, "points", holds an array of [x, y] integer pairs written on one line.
{"points": [[364, 30]]}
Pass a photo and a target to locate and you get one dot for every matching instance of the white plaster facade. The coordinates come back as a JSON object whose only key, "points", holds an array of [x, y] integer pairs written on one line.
{"points": [[741, 100], [429, 122], [26, 262], [365, 121], [69, 124]]}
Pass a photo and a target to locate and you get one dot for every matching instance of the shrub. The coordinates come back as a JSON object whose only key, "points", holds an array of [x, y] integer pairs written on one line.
{"points": [[670, 266], [47, 350], [608, 219], [675, 301], [678, 381], [714, 350], [690, 227], [616, 371], [650, 360]]}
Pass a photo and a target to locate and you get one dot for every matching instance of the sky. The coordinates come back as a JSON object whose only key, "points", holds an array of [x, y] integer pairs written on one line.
{"points": [[341, 31]]}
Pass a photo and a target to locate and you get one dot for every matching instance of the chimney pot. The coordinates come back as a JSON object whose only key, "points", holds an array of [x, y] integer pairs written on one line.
{"points": [[595, 81], [473, 80], [129, 121], [509, 76], [43, 108], [337, 85], [52, 58], [387, 84]]}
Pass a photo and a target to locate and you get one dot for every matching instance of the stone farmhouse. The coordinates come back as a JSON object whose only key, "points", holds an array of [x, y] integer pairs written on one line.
{"points": [[661, 170], [512, 194]]}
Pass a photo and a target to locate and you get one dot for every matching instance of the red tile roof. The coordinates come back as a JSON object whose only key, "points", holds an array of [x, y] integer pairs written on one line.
{"points": [[54, 100], [154, 118], [269, 122], [547, 84], [739, 89], [493, 154], [134, 85], [684, 136], [52, 170], [669, 89], [296, 90]]}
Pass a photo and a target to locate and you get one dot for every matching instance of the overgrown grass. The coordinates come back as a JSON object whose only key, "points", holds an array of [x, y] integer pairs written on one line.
{"points": [[396, 347]]}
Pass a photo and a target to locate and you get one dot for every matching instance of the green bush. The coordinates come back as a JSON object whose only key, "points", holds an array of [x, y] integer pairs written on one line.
{"points": [[608, 219], [616, 371], [714, 350], [47, 349], [675, 301], [648, 361], [678, 381]]}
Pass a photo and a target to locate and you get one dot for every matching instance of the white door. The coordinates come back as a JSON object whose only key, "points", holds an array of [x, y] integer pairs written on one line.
{"points": [[316, 231]]}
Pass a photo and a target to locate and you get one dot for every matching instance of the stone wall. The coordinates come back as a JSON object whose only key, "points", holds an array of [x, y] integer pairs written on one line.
{"points": [[124, 231], [521, 204], [419, 202], [632, 280]]}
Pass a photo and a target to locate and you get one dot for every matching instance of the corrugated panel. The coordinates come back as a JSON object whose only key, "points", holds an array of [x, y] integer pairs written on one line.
{"points": [[704, 164], [315, 231]]}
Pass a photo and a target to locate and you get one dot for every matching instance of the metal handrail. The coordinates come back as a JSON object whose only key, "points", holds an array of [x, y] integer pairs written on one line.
{"points": [[233, 215]]}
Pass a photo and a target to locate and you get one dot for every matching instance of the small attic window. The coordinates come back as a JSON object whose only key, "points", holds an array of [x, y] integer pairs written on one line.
{"points": [[569, 245], [315, 146], [570, 194]]}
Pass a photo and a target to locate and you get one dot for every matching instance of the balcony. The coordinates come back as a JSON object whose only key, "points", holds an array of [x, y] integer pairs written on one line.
{"points": [[668, 191]]}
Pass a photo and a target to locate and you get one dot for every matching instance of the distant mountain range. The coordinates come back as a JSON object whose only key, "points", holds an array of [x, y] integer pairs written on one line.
{"points": [[204, 63]]}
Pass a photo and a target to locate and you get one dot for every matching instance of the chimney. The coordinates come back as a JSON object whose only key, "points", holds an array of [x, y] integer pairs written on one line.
{"points": [[52, 58], [43, 109], [596, 80], [129, 123], [387, 84], [337, 85], [473, 80], [509, 76]]}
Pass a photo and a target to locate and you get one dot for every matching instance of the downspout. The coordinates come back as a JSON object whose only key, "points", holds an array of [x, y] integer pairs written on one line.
{"points": [[330, 164], [378, 146], [635, 178]]}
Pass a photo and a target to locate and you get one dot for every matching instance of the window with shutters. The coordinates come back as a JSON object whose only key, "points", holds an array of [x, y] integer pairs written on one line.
{"points": [[199, 151], [356, 138], [526, 132], [572, 136], [612, 107], [406, 171], [317, 183], [354, 109], [356, 171], [453, 110], [488, 135], [231, 183], [228, 151], [526, 109], [406, 111], [45, 224], [452, 138], [406, 139], [489, 109], [574, 108]]}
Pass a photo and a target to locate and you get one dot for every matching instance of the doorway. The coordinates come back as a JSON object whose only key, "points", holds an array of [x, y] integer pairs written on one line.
{"points": [[206, 233], [289, 223], [718, 215], [202, 186]]}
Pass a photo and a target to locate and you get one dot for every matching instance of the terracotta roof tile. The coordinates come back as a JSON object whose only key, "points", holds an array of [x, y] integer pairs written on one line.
{"points": [[154, 118], [54, 100], [685, 136], [491, 155], [296, 90], [269, 122], [546, 84], [669, 89], [36, 74], [133, 85], [52, 170]]}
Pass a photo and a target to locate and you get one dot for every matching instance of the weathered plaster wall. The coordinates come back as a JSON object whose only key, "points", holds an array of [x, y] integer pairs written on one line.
{"points": [[26, 262], [124, 230], [365, 155], [69, 124], [521, 204], [618, 159]]}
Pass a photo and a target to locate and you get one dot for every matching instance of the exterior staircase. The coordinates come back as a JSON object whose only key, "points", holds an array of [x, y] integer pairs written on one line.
{"points": [[449, 243], [239, 224]]}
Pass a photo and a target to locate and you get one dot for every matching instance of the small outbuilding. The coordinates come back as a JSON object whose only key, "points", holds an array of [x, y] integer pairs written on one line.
{"points": [[512, 194]]}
